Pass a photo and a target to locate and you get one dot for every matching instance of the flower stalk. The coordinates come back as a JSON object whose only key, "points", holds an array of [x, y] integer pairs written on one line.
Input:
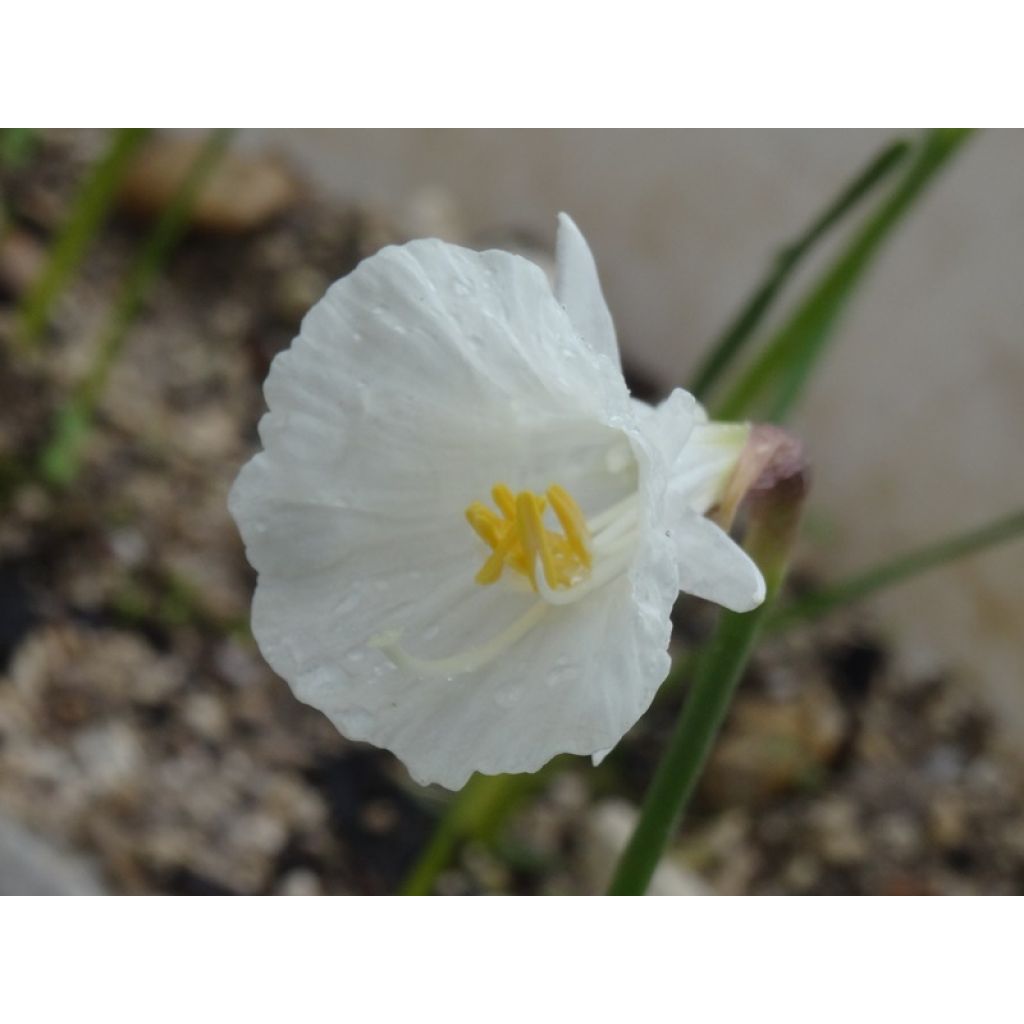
{"points": [[774, 503], [473, 812]]}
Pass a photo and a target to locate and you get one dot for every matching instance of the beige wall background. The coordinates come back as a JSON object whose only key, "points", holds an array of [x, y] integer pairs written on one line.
{"points": [[916, 421]]}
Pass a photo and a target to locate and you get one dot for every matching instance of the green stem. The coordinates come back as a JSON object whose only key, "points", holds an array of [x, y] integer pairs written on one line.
{"points": [[718, 674], [770, 535], [734, 338], [90, 209], [480, 804], [821, 602], [777, 377], [59, 463]]}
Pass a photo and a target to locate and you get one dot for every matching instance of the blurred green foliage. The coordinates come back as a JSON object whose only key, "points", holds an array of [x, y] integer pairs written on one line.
{"points": [[774, 383], [61, 458], [88, 213], [723, 353]]}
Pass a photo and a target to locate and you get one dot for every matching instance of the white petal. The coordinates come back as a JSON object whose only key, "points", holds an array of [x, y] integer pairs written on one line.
{"points": [[575, 684], [701, 455], [579, 290], [669, 425], [416, 383], [706, 463], [712, 566], [403, 400]]}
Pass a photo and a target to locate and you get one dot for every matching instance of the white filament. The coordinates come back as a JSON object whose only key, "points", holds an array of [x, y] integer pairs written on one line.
{"points": [[467, 661]]}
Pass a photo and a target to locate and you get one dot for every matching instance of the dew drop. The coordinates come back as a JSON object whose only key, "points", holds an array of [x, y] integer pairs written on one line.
{"points": [[347, 603], [357, 723], [508, 697], [316, 680], [564, 670]]}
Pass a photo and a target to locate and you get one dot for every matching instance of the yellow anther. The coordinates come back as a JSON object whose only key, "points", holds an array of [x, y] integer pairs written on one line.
{"points": [[533, 538], [518, 537], [490, 571], [487, 525], [505, 500], [573, 523]]}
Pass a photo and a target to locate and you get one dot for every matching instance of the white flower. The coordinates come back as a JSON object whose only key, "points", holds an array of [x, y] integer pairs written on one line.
{"points": [[436, 385]]}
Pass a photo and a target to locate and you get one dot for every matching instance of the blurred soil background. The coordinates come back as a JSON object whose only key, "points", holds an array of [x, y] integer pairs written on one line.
{"points": [[145, 747]]}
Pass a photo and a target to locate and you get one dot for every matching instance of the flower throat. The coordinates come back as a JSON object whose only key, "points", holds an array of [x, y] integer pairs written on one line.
{"points": [[561, 568], [520, 541]]}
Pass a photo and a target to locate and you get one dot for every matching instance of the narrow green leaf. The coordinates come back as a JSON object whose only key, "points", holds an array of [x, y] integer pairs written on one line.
{"points": [[16, 145], [88, 212], [736, 335], [815, 605], [773, 383], [60, 461]]}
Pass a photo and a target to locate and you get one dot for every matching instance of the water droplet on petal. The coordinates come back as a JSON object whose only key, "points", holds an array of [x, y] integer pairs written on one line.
{"points": [[316, 680], [357, 723], [564, 670], [509, 696]]}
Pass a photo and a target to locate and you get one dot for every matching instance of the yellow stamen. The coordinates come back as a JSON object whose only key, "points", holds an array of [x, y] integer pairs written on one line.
{"points": [[519, 538], [533, 538], [505, 500], [573, 523], [490, 571], [485, 522]]}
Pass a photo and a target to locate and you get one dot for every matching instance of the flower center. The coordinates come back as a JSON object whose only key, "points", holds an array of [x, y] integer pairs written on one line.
{"points": [[520, 541], [561, 568]]}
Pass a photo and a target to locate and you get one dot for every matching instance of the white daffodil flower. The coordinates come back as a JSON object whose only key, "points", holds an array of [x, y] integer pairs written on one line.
{"points": [[469, 537]]}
